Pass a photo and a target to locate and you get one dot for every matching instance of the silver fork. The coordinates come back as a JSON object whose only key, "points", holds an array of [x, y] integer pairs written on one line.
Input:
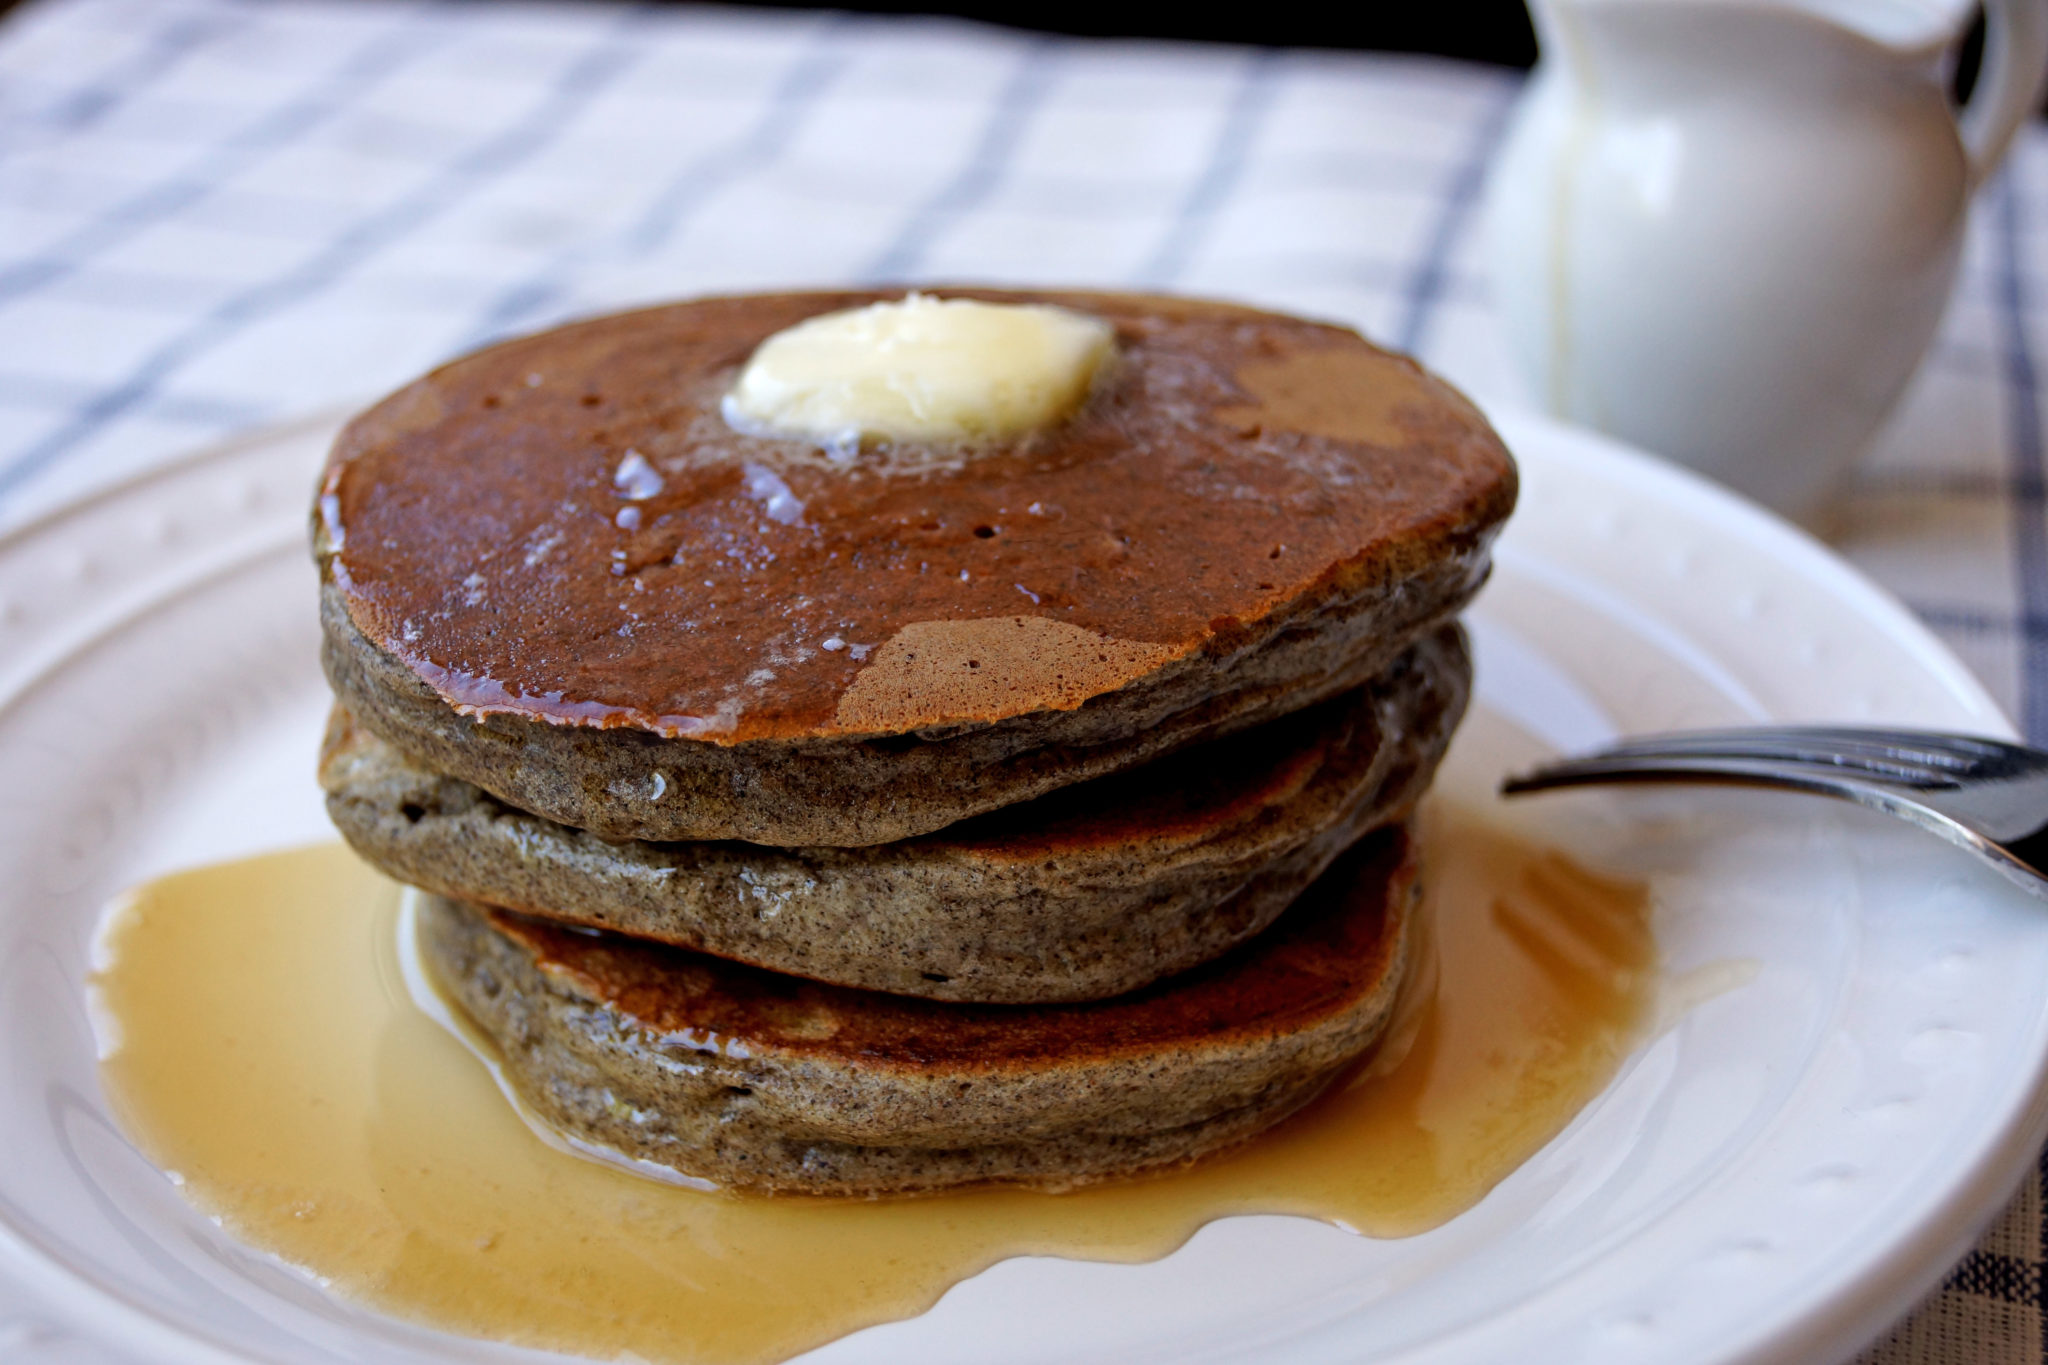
{"points": [[1986, 795]]}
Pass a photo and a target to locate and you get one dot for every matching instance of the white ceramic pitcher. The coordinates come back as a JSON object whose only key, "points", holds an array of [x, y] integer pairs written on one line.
{"points": [[1725, 229]]}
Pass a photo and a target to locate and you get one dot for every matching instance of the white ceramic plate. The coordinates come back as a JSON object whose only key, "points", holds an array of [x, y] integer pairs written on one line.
{"points": [[1775, 1177]]}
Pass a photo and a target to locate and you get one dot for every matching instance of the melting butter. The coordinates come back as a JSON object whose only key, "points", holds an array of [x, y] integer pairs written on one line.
{"points": [[920, 369], [260, 1041]]}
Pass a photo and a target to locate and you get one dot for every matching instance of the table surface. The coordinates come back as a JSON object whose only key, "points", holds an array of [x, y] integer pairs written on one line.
{"points": [[217, 215]]}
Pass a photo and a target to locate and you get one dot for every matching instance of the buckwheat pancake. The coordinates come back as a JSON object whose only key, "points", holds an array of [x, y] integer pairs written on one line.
{"points": [[553, 570], [1087, 892], [751, 1079]]}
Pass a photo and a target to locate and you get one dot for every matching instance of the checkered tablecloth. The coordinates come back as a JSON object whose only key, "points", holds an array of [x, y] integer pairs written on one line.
{"points": [[215, 215]]}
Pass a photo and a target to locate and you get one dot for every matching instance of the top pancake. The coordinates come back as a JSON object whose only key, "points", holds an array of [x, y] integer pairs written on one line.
{"points": [[1234, 471]]}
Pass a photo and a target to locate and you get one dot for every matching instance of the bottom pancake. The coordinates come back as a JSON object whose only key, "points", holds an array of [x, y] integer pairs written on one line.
{"points": [[754, 1080]]}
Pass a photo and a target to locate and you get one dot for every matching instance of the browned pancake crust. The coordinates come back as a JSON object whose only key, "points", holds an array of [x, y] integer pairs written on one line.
{"points": [[1252, 513], [751, 1079], [1089, 892]]}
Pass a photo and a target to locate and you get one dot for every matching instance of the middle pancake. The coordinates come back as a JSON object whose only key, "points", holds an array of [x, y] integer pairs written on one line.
{"points": [[1086, 893]]}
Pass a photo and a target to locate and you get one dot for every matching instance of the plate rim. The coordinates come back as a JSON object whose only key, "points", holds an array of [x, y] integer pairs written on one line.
{"points": [[1762, 526]]}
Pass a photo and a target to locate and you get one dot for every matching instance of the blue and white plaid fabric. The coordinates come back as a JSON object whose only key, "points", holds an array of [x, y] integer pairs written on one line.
{"points": [[215, 215]]}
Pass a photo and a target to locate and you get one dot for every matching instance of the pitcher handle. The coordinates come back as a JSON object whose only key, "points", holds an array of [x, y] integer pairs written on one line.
{"points": [[2008, 83]]}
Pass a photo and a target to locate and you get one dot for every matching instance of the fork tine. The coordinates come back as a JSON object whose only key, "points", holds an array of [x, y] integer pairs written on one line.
{"points": [[1809, 746], [1932, 746], [1818, 779], [1878, 761], [1945, 741], [1661, 768]]}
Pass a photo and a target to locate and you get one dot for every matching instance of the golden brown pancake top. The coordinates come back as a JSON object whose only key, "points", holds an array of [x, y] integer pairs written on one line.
{"points": [[1231, 464], [1333, 947]]}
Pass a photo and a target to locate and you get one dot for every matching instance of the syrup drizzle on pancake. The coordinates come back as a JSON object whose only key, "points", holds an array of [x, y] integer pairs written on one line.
{"points": [[261, 1043]]}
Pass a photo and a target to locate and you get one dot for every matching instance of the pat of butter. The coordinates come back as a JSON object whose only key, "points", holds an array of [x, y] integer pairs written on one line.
{"points": [[922, 369]]}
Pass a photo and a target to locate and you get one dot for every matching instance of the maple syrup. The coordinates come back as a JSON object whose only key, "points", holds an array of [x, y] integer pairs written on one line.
{"points": [[262, 1042]]}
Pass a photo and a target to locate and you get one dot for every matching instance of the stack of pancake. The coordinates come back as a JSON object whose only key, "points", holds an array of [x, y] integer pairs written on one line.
{"points": [[877, 820]]}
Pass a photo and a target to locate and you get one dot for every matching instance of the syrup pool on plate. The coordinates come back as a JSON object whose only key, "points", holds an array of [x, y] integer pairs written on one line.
{"points": [[260, 1042]]}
